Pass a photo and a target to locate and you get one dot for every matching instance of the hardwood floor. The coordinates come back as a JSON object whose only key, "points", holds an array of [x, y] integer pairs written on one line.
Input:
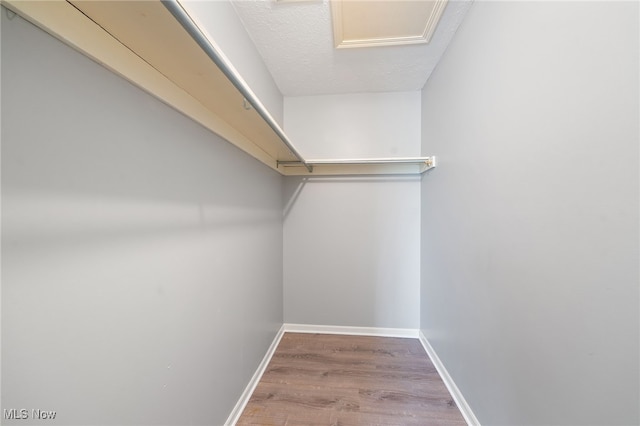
{"points": [[322, 379]]}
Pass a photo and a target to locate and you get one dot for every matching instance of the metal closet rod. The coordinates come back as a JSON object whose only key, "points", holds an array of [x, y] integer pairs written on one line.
{"points": [[178, 12], [406, 160]]}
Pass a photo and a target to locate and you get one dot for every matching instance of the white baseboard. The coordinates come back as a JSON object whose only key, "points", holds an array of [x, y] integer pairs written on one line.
{"points": [[248, 391], [357, 331], [462, 404], [465, 409]]}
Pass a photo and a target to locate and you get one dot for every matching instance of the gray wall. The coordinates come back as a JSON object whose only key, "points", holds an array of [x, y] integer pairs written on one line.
{"points": [[530, 222], [351, 244], [351, 251], [141, 254]]}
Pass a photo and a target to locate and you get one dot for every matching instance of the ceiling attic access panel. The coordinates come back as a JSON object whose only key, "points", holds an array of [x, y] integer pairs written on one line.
{"points": [[366, 23]]}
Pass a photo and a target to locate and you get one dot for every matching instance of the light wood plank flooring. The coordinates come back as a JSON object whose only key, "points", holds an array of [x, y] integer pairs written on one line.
{"points": [[322, 379]]}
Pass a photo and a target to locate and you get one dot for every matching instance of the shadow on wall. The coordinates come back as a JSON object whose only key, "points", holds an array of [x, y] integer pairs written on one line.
{"points": [[86, 156], [295, 184], [141, 254]]}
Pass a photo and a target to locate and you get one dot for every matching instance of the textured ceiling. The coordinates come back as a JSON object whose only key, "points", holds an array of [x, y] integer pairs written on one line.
{"points": [[296, 41]]}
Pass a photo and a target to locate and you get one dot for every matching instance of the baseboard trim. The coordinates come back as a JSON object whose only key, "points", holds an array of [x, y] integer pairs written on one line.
{"points": [[462, 404], [248, 391], [358, 331]]}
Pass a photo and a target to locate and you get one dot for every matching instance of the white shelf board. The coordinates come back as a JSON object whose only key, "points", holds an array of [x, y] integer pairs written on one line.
{"points": [[359, 166]]}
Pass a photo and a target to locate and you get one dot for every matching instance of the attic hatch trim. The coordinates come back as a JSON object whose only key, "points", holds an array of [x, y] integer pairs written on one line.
{"points": [[373, 23]]}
